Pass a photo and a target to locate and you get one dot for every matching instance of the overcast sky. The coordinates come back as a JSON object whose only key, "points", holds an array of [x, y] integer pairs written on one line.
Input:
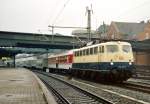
{"points": [[34, 15]]}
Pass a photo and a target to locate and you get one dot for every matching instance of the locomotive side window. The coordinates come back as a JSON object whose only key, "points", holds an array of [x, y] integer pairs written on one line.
{"points": [[95, 50], [101, 49], [91, 51], [87, 51], [84, 52], [75, 53], [112, 48], [126, 48], [80, 52]]}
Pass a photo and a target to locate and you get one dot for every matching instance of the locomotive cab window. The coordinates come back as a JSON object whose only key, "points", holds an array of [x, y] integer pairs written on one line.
{"points": [[126, 48], [112, 48]]}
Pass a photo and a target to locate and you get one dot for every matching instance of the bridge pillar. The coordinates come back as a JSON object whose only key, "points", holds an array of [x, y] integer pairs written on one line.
{"points": [[47, 58], [14, 60]]}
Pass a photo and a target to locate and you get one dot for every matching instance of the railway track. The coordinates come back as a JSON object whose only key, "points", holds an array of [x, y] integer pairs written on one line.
{"points": [[66, 93], [142, 73], [136, 87], [142, 77], [118, 96]]}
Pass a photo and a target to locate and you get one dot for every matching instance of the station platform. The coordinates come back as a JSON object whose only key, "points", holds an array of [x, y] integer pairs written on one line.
{"points": [[21, 86]]}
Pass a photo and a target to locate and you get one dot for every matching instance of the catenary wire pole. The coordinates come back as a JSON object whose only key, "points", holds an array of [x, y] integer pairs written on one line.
{"points": [[89, 11]]}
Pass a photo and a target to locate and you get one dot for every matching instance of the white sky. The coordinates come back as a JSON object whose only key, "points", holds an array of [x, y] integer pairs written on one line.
{"points": [[32, 15]]}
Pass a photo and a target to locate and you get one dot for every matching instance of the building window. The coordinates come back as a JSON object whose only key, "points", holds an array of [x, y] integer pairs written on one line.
{"points": [[147, 36]]}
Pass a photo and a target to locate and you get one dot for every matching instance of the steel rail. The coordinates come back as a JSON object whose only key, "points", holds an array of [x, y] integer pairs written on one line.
{"points": [[60, 98], [93, 96]]}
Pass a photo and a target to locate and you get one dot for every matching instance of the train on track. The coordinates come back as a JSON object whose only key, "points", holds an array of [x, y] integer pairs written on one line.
{"points": [[109, 61]]}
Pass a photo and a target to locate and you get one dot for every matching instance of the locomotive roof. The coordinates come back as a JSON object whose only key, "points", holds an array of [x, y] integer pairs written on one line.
{"points": [[105, 43], [95, 45], [62, 54]]}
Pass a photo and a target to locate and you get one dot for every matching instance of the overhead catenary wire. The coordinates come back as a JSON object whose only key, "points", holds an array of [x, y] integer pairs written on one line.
{"points": [[136, 7], [60, 12]]}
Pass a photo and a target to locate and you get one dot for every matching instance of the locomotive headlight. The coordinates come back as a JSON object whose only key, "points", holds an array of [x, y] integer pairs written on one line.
{"points": [[111, 62], [130, 63]]}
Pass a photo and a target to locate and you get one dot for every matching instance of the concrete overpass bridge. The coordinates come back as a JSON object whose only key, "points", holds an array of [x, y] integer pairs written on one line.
{"points": [[12, 43], [16, 42], [33, 40]]}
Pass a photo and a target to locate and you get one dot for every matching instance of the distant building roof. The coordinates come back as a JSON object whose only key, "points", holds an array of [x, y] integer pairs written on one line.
{"points": [[103, 28], [83, 31], [130, 28]]}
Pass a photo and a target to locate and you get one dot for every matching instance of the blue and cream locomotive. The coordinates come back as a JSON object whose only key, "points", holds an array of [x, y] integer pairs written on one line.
{"points": [[111, 61]]}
